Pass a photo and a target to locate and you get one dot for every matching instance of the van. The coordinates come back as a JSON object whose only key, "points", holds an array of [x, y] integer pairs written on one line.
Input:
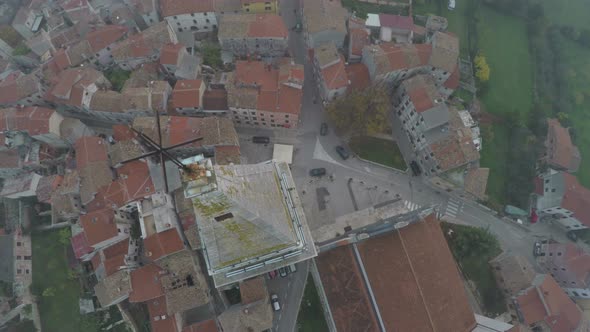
{"points": [[261, 139], [415, 168], [274, 299], [292, 268]]}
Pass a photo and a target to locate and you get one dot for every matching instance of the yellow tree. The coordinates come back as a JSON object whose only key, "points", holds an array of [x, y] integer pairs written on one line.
{"points": [[482, 69]]}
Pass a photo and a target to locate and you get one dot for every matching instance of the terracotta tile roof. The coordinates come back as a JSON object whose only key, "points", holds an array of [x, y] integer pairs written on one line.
{"points": [[476, 182], [186, 93], [238, 26], [215, 99], [80, 245], [576, 199], [17, 88], [123, 133], [169, 54], [179, 7], [144, 44], [453, 81], [422, 92], [546, 301], [561, 152], [146, 284], [10, 159], [267, 26], [513, 273], [454, 151], [114, 256], [445, 51], [358, 74], [68, 87], [359, 38], [253, 290], [324, 15], [345, 290], [416, 281], [99, 226], [258, 86], [90, 149], [205, 326], [335, 75], [396, 21], [107, 101], [134, 183], [162, 244], [159, 318], [390, 57], [104, 36], [32, 120]]}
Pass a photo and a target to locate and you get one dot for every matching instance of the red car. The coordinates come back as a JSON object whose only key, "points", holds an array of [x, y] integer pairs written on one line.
{"points": [[272, 274]]}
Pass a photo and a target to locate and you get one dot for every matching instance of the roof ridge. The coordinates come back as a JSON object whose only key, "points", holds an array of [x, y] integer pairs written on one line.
{"points": [[416, 279]]}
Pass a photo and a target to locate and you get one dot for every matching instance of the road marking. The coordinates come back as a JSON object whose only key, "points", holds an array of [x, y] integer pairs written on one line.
{"points": [[320, 153], [367, 169], [453, 208]]}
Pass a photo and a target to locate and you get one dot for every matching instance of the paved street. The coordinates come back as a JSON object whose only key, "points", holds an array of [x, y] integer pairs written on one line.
{"points": [[290, 291]]}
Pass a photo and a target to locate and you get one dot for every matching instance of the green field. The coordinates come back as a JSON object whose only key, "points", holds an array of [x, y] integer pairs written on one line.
{"points": [[567, 12], [578, 74], [60, 312], [503, 40], [311, 315], [378, 150]]}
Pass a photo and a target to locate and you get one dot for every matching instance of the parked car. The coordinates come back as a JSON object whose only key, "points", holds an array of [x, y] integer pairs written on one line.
{"points": [[283, 272], [415, 168], [292, 268], [537, 249], [317, 172], [274, 299], [324, 129], [342, 152], [272, 274], [261, 139]]}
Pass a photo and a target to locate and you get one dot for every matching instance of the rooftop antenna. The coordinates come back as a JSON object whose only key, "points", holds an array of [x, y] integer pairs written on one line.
{"points": [[158, 149]]}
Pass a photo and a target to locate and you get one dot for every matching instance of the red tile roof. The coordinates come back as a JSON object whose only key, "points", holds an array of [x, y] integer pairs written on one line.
{"points": [[561, 152], [396, 21], [47, 185], [335, 75], [114, 256], [10, 159], [215, 99], [421, 99], [80, 245], [163, 244], [99, 226], [546, 301], [104, 36], [146, 283], [179, 7], [453, 81], [159, 318], [186, 93], [205, 326], [359, 38], [33, 120], [576, 199], [90, 149], [134, 183], [123, 133], [274, 93], [358, 74], [267, 26], [170, 53], [415, 280]]}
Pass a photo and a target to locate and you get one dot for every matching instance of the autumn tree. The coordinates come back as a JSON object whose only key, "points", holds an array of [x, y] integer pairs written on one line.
{"points": [[361, 112], [482, 69]]}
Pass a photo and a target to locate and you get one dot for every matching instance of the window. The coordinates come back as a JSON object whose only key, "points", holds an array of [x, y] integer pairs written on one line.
{"points": [[207, 20], [267, 8], [576, 293], [18, 271], [223, 217], [179, 29], [558, 254], [178, 23], [18, 244], [553, 190], [286, 121], [256, 123], [195, 21], [193, 14], [18, 257], [546, 180], [175, 17], [205, 14], [286, 115]]}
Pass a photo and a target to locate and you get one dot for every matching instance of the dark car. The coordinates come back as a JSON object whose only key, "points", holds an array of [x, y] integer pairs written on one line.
{"points": [[283, 272], [342, 152], [537, 249], [317, 172], [261, 139], [324, 129], [415, 168]]}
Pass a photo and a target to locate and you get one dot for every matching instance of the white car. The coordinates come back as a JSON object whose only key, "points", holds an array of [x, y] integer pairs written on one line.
{"points": [[274, 300]]}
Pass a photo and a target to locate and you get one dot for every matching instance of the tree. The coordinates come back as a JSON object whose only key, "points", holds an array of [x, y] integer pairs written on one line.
{"points": [[482, 69], [467, 241], [211, 55], [117, 77], [64, 236], [21, 49], [361, 112]]}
